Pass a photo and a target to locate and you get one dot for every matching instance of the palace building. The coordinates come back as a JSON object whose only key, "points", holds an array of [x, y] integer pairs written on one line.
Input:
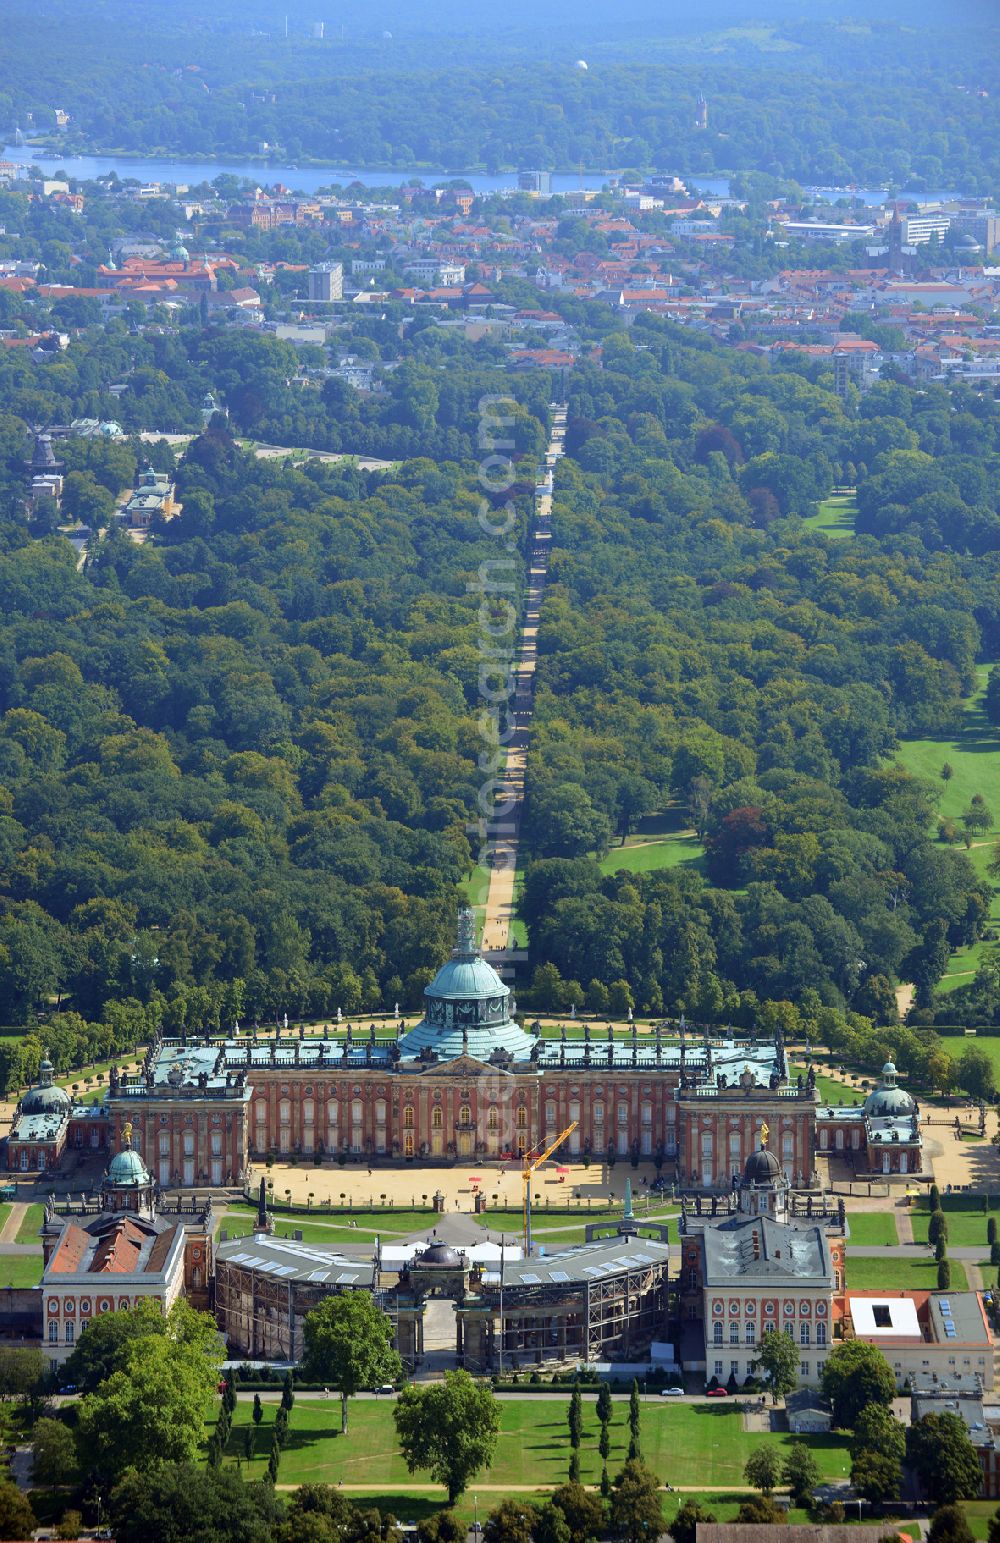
{"points": [[605, 1299], [758, 1264], [118, 1249], [469, 1082]]}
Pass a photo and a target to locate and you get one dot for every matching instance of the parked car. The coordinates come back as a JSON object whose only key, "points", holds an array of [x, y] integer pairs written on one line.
{"points": [[671, 1392], [717, 1393]]}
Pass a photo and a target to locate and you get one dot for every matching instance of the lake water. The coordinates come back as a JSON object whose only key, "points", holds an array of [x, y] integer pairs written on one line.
{"points": [[307, 179], [304, 179]]}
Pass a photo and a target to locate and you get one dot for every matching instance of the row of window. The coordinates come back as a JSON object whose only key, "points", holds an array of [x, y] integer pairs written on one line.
{"points": [[409, 1115], [750, 1333], [54, 1330]]}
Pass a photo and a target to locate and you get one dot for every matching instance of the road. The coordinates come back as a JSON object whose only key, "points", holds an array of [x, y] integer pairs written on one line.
{"points": [[504, 842]]}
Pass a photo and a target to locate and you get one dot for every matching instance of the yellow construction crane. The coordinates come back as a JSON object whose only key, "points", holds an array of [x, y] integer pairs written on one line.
{"points": [[533, 1160]]}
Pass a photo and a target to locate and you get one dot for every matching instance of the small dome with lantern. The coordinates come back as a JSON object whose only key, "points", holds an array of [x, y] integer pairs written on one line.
{"points": [[46, 1098], [888, 1100]]}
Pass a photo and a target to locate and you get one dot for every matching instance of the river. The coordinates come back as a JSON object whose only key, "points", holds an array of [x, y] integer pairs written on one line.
{"points": [[306, 179]]}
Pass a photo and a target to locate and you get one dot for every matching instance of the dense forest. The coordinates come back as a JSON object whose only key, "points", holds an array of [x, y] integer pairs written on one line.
{"points": [[700, 642], [821, 97], [237, 767]]}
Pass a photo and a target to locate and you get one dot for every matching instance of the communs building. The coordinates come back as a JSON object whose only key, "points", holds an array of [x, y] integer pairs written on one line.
{"points": [[602, 1301]]}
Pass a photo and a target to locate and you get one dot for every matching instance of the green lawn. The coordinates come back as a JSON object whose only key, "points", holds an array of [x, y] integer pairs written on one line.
{"points": [[830, 1089], [4, 1213], [889, 1273], [692, 1444], [400, 1223], [836, 516], [979, 1514], [973, 756], [680, 851], [20, 1269], [395, 1222], [988, 1043], [31, 1224], [663, 840], [477, 887], [966, 1229], [872, 1229]]}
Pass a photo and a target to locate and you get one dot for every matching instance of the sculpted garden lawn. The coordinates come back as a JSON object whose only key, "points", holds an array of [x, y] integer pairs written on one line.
{"points": [[689, 1445]]}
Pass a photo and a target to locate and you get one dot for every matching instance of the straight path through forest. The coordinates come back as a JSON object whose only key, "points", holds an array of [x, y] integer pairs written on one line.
{"points": [[503, 845]]}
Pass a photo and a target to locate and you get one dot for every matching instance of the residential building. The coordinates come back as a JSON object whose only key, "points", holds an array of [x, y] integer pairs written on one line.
{"points": [[326, 282]]}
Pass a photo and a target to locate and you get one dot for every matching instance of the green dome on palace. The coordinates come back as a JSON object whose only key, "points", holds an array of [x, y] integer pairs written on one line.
{"points": [[45, 1098], [127, 1170], [467, 1008], [888, 1100]]}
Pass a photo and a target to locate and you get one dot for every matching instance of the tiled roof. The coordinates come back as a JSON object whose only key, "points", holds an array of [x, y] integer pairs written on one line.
{"points": [[70, 1251], [118, 1252]]}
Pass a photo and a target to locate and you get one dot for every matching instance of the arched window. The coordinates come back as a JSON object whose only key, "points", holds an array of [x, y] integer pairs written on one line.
{"points": [[493, 1118], [550, 1112], [408, 1117], [380, 1111], [734, 1333], [285, 1111], [598, 1114], [717, 1333], [465, 1115], [357, 1111], [332, 1113], [750, 1334], [821, 1334], [308, 1111], [437, 1117], [706, 1143], [803, 1334], [522, 1117]]}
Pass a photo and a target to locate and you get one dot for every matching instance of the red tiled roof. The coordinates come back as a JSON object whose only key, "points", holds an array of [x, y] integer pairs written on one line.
{"points": [[69, 1251], [118, 1252]]}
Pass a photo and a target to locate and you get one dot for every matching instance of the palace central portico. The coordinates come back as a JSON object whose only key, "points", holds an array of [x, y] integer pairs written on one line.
{"points": [[470, 1083]]}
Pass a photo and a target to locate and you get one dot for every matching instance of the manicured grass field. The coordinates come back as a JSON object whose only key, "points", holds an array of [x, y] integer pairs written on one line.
{"points": [[395, 1222], [678, 851], [20, 1269], [830, 1089], [966, 1229], [477, 887], [872, 1229], [836, 516], [989, 1044], [662, 840], [973, 756], [691, 1444], [979, 1514], [31, 1224], [889, 1273]]}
